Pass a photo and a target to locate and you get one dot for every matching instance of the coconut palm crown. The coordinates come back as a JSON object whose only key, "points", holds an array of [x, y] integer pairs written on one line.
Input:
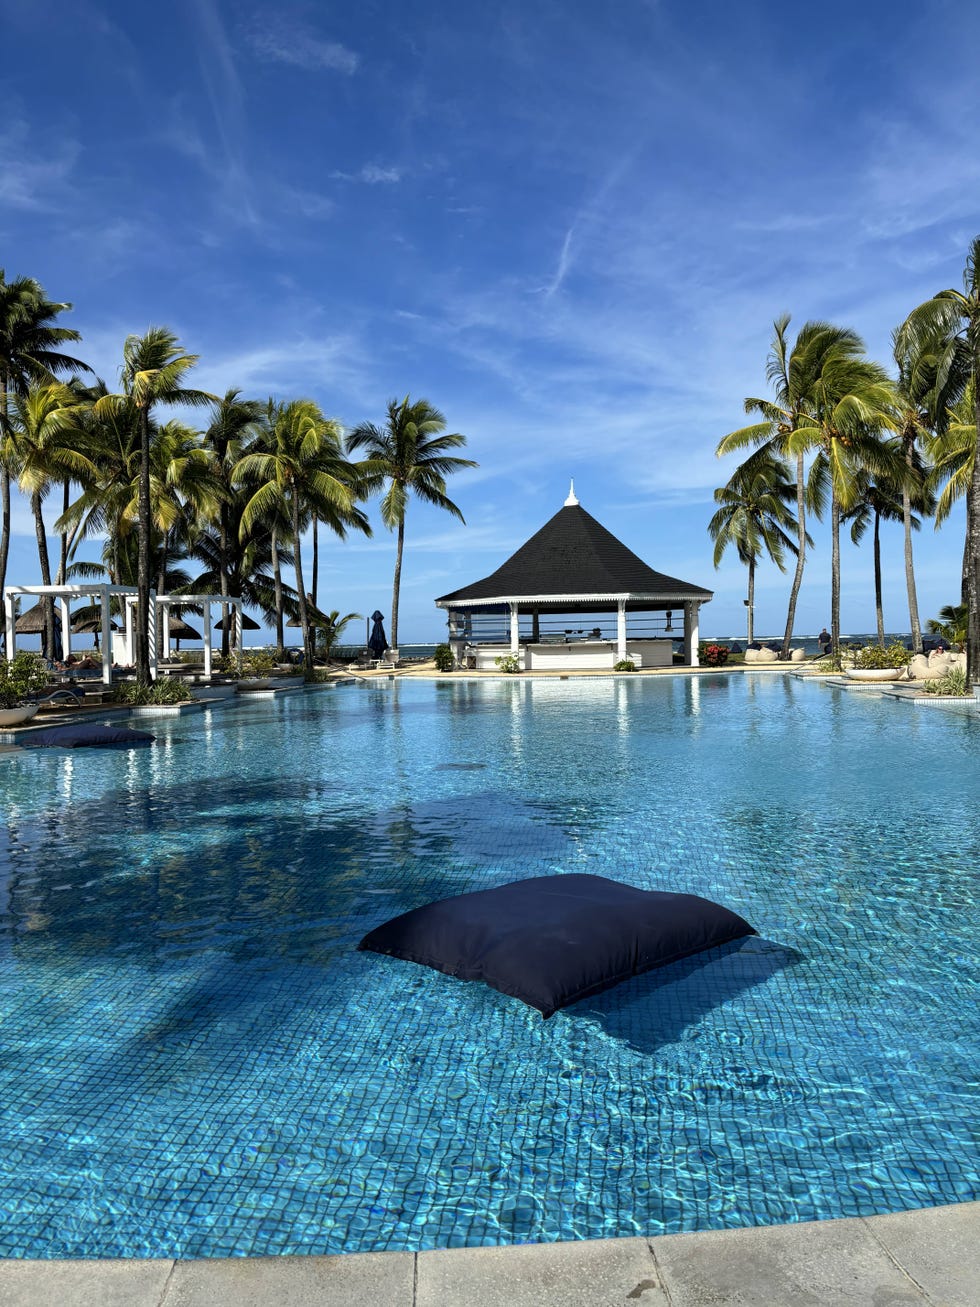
{"points": [[945, 331], [410, 454]]}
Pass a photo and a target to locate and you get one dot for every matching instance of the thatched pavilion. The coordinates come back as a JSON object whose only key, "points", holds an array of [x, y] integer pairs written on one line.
{"points": [[552, 603]]}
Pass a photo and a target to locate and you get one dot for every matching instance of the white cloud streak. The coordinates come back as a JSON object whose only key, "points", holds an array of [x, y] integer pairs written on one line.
{"points": [[273, 38]]}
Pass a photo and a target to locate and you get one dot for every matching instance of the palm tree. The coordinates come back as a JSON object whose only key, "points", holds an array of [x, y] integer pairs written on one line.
{"points": [[946, 329], [852, 401], [883, 500], [914, 430], [42, 428], [107, 503], [794, 373], [753, 517], [303, 471], [185, 489], [410, 454], [154, 367], [333, 628], [29, 341], [953, 452], [235, 423], [950, 624]]}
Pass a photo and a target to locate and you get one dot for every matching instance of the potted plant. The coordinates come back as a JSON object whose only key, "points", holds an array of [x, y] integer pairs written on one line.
{"points": [[508, 663], [443, 658], [21, 679], [876, 662]]}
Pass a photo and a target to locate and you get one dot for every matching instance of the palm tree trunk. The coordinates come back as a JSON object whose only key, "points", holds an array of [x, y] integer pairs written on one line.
{"points": [[223, 575], [4, 531], [835, 578], [316, 562], [162, 569], [141, 632], [277, 586], [45, 564], [914, 623], [800, 557], [304, 616], [973, 536], [4, 498], [879, 612], [751, 604], [63, 564], [396, 588]]}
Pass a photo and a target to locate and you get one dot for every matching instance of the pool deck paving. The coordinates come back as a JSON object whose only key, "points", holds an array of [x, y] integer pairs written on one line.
{"points": [[909, 1259]]}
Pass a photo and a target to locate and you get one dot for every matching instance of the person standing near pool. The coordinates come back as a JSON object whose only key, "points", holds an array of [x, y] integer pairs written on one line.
{"points": [[823, 639]]}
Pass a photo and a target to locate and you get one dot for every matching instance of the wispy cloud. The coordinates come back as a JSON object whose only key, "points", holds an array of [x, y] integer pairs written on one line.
{"points": [[292, 42], [564, 262], [225, 91], [32, 176], [373, 174]]}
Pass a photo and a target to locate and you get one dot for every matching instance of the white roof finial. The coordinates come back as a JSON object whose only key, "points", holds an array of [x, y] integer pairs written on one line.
{"points": [[571, 501]]}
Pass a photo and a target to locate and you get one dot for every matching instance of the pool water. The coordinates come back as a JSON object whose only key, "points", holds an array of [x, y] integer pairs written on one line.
{"points": [[196, 1061]]}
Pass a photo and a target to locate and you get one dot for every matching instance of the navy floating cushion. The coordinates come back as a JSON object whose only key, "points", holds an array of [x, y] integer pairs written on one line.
{"points": [[553, 940], [86, 734]]}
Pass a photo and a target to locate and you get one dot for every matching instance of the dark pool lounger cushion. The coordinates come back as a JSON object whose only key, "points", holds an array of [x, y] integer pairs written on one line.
{"points": [[86, 735], [552, 940]]}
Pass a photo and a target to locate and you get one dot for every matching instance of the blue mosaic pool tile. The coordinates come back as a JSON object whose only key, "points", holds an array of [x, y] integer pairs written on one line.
{"points": [[196, 1062]]}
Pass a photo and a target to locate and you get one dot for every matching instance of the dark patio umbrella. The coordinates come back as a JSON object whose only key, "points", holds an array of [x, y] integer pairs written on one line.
{"points": [[378, 641]]}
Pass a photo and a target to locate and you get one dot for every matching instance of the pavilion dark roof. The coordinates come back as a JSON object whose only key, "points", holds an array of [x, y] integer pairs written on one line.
{"points": [[573, 554]]}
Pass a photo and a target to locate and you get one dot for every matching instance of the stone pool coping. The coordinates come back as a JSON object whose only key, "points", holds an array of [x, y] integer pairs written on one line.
{"points": [[930, 1257]]}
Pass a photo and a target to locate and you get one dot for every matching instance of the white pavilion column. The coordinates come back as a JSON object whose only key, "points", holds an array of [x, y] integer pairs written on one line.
{"points": [[620, 630], [106, 618], [515, 629], [691, 607], [165, 630], [207, 637], [154, 634], [65, 627], [129, 630], [11, 622]]}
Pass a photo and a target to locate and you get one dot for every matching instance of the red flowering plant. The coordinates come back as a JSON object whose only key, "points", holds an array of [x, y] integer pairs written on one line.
{"points": [[713, 655]]}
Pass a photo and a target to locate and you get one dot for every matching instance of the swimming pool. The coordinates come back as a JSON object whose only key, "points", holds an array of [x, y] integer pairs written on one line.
{"points": [[197, 1062]]}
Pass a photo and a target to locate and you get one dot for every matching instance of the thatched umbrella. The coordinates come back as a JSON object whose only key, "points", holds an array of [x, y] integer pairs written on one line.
{"points": [[31, 622], [248, 623], [90, 619], [181, 630]]}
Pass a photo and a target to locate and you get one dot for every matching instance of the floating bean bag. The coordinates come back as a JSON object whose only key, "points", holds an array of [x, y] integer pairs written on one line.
{"points": [[87, 735], [552, 940]]}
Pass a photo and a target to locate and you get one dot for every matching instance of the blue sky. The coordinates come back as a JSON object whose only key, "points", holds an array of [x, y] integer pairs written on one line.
{"points": [[567, 225]]}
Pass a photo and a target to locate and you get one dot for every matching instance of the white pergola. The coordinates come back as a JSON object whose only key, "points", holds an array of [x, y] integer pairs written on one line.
{"points": [[103, 594]]}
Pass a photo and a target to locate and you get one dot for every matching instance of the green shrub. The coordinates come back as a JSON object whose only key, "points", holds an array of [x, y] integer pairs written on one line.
{"points": [[624, 665], [954, 682], [257, 662], [22, 678], [444, 658], [508, 663], [164, 690], [874, 656]]}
